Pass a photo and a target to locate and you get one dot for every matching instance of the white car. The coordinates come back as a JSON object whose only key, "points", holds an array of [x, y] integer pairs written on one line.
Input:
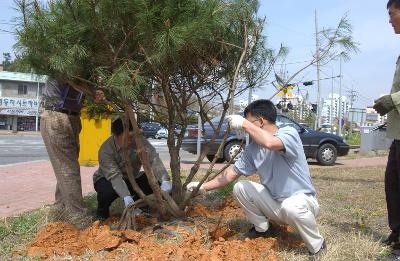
{"points": [[161, 134]]}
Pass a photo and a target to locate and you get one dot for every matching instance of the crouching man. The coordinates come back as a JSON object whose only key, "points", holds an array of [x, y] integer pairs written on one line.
{"points": [[286, 194], [111, 180]]}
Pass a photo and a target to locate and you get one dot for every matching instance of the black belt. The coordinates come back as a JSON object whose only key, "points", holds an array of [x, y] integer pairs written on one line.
{"points": [[66, 111]]}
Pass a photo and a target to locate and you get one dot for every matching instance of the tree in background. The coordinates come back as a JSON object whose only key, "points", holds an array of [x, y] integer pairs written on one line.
{"points": [[332, 43], [167, 55]]}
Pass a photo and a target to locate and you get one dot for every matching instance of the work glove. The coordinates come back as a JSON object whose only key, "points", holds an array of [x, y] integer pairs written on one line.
{"points": [[166, 186], [235, 121], [384, 104], [192, 185], [129, 200]]}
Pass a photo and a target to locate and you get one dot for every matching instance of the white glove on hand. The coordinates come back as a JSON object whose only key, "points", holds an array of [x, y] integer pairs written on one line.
{"points": [[235, 121], [192, 185], [137, 212], [166, 186], [128, 200]]}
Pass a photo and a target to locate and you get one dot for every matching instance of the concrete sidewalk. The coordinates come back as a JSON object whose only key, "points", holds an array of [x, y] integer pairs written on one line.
{"points": [[31, 185]]}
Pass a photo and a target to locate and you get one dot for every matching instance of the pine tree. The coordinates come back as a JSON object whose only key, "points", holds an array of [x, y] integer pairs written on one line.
{"points": [[184, 51]]}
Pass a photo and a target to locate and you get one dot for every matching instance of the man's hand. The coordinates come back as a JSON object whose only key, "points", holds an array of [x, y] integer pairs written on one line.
{"points": [[384, 104], [128, 200], [137, 212], [166, 186], [192, 185], [235, 121]]}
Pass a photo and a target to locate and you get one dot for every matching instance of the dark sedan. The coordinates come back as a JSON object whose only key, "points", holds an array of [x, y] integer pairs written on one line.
{"points": [[323, 147], [150, 129]]}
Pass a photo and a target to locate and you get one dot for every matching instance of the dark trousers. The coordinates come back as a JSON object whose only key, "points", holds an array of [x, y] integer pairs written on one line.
{"points": [[392, 186], [106, 193]]}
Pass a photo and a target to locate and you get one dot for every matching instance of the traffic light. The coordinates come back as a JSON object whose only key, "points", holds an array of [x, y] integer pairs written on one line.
{"points": [[314, 107], [308, 83]]}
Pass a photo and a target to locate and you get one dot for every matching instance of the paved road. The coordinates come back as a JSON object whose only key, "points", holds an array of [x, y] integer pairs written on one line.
{"points": [[17, 149]]}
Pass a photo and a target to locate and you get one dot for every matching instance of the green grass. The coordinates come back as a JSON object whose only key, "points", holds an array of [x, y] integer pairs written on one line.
{"points": [[16, 231], [225, 191], [353, 139]]}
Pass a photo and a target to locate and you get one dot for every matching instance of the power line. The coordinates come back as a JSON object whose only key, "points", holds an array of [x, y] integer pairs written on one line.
{"points": [[297, 62], [369, 99]]}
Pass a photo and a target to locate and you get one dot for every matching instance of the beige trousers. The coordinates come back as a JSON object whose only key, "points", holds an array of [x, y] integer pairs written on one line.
{"points": [[298, 211], [60, 134]]}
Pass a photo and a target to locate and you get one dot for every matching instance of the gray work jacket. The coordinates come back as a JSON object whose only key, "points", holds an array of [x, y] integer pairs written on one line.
{"points": [[112, 165]]}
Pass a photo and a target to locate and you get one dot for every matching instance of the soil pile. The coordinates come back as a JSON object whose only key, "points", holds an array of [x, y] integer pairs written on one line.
{"points": [[196, 239]]}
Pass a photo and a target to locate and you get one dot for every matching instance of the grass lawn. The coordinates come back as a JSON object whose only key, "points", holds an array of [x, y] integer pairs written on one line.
{"points": [[352, 218]]}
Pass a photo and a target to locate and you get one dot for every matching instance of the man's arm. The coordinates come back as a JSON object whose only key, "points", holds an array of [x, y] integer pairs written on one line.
{"points": [[222, 180], [113, 173], [396, 100], [262, 137]]}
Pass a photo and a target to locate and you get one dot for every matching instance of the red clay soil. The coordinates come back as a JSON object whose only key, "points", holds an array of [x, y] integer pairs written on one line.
{"points": [[183, 240]]}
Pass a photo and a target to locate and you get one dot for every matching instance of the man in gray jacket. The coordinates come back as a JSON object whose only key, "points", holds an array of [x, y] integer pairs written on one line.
{"points": [[111, 180]]}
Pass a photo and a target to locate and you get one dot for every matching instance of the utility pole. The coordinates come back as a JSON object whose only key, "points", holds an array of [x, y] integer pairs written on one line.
{"points": [[248, 102], [352, 95], [37, 109], [318, 119], [331, 109], [340, 97]]}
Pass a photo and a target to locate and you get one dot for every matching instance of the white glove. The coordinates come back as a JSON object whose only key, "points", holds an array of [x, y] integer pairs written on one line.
{"points": [[166, 186], [128, 200], [137, 212], [192, 185], [235, 121]]}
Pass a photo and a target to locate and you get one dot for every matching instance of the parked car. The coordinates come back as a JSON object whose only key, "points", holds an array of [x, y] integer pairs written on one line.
{"points": [[150, 129], [161, 134], [324, 147]]}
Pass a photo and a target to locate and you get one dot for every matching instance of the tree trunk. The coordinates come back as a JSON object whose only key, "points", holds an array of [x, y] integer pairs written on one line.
{"points": [[144, 157]]}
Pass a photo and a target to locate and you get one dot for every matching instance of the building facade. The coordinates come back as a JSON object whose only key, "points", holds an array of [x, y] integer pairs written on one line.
{"points": [[20, 95], [332, 106]]}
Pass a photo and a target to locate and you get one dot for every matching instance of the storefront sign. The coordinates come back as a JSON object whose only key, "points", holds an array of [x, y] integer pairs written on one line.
{"points": [[18, 106]]}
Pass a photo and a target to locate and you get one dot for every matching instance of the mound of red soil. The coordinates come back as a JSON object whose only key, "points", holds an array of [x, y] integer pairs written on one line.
{"points": [[196, 240]]}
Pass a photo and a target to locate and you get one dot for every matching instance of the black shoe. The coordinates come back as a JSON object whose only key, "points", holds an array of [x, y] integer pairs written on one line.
{"points": [[318, 256], [100, 218], [253, 233], [393, 238]]}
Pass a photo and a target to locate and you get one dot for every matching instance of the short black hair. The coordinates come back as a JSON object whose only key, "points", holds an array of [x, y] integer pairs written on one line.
{"points": [[263, 109], [117, 127], [396, 3]]}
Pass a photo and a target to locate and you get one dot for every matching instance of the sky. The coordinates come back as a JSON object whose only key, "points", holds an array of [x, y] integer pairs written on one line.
{"points": [[370, 72], [291, 23]]}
